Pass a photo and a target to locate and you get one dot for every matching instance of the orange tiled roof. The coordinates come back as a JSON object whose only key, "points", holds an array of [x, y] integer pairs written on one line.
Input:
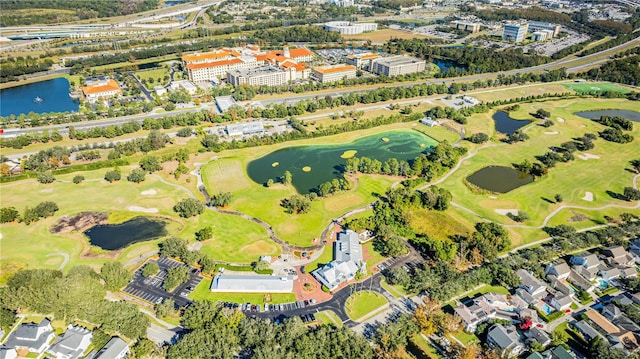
{"points": [[369, 56], [299, 52], [205, 56], [95, 89], [214, 64], [325, 70], [261, 57]]}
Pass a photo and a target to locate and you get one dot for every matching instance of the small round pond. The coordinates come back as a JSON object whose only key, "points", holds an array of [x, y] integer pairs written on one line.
{"points": [[116, 236], [594, 115], [499, 179], [311, 166], [507, 125]]}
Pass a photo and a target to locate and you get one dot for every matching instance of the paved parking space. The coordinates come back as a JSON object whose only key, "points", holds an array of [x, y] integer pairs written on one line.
{"points": [[150, 289]]}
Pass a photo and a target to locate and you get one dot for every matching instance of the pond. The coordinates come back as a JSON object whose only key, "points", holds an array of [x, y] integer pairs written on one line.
{"points": [[446, 65], [499, 179], [594, 115], [507, 125], [37, 97], [311, 166], [116, 236]]}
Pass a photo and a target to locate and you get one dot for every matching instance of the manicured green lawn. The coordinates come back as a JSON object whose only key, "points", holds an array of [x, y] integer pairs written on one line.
{"points": [[155, 74], [597, 86], [202, 292], [361, 303], [325, 257], [328, 317], [467, 338], [426, 347], [395, 290]]}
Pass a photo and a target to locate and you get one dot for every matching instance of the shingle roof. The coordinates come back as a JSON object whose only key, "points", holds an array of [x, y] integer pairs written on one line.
{"points": [[112, 349]]}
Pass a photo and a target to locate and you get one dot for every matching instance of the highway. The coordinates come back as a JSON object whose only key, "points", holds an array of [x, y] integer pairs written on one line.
{"points": [[571, 65]]}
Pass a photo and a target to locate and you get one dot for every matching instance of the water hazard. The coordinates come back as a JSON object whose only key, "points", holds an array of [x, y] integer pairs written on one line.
{"points": [[499, 179], [594, 115], [37, 97], [116, 236], [507, 125]]}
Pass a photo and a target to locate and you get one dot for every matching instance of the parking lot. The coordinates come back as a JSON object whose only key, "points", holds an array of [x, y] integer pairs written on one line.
{"points": [[150, 289]]}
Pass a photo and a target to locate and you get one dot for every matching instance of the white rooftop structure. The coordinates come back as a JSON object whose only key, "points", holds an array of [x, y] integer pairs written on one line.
{"points": [[348, 259], [252, 283], [72, 344], [224, 103], [245, 128]]}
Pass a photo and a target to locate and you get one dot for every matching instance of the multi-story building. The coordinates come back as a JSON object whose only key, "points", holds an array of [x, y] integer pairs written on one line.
{"points": [[471, 27], [514, 32], [397, 65], [349, 28], [100, 88], [544, 26], [334, 73], [258, 76], [361, 60]]}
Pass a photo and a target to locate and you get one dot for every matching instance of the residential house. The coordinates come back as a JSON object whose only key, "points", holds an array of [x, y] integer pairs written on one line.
{"points": [[617, 256], [617, 317], [505, 339], [8, 353], [102, 88], [558, 352], [72, 344], [489, 306], [627, 341], [531, 289], [580, 282], [586, 330], [601, 323], [609, 273], [634, 250], [560, 270], [347, 261], [628, 272], [31, 336], [587, 265], [622, 299], [540, 336], [561, 302], [115, 348], [560, 285]]}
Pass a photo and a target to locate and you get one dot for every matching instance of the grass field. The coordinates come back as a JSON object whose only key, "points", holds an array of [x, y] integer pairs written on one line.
{"points": [[154, 74], [202, 292], [426, 347], [595, 86], [509, 92], [572, 180], [362, 303], [328, 317], [437, 225], [384, 35]]}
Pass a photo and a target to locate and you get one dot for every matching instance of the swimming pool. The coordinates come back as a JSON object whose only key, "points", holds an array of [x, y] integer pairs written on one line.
{"points": [[546, 309], [602, 284]]}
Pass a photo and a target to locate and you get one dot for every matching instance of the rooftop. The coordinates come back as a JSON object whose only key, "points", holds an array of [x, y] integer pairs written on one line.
{"points": [[602, 322], [256, 71], [398, 60], [204, 56], [205, 65], [333, 69], [111, 85], [252, 283]]}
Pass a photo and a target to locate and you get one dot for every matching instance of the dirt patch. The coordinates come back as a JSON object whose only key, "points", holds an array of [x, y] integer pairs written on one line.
{"points": [[506, 211], [588, 156], [149, 192], [142, 209], [552, 133], [79, 222], [47, 190], [578, 217]]}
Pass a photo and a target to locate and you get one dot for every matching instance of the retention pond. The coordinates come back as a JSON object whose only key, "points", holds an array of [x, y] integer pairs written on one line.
{"points": [[116, 236]]}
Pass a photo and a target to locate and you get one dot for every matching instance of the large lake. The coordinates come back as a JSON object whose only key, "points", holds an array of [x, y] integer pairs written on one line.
{"points": [[595, 115], [326, 162], [22, 99], [116, 236]]}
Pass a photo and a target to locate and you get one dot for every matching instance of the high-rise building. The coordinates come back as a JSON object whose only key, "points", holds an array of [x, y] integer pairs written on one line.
{"points": [[515, 32]]}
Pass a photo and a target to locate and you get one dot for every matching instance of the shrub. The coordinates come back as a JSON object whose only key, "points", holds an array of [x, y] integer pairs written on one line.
{"points": [[78, 179], [189, 207], [478, 138], [8, 214], [46, 177], [221, 199], [185, 132], [136, 176], [150, 269], [204, 233], [150, 164], [112, 176]]}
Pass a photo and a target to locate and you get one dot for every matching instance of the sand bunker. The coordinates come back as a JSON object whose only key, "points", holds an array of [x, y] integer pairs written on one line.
{"points": [[275, 164], [560, 119], [552, 133], [505, 211], [587, 156], [384, 139], [306, 169], [142, 209], [149, 192], [348, 154], [588, 197], [0, 235], [48, 190]]}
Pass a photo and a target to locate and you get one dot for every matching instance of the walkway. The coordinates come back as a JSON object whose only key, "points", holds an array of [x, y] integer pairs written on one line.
{"points": [[64, 261]]}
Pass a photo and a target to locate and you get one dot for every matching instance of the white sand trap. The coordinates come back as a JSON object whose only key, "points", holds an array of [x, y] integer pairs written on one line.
{"points": [[0, 235], [48, 190], [560, 119], [493, 197], [149, 192], [588, 156], [142, 209], [505, 211], [588, 197], [552, 133]]}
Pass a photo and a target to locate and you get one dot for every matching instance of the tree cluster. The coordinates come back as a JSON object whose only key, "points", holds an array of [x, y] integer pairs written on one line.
{"points": [[189, 207], [296, 204]]}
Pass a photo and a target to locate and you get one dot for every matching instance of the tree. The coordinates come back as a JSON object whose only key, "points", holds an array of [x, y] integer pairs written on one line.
{"points": [[7, 317], [115, 276], [543, 114], [136, 175], [166, 308], [173, 247], [175, 277], [150, 164], [143, 348], [8, 214], [185, 132], [296, 204], [78, 179], [261, 266], [287, 178], [150, 269], [478, 138], [112, 176], [558, 198], [189, 207], [46, 177], [204, 233], [547, 123], [221, 199], [631, 194], [269, 182]]}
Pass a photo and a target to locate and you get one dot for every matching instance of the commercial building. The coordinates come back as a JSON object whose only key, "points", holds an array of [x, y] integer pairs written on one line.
{"points": [[540, 35], [102, 88], [361, 60], [397, 65], [349, 28], [252, 283], [258, 76], [245, 128], [471, 27], [544, 26], [334, 73], [347, 261], [514, 32]]}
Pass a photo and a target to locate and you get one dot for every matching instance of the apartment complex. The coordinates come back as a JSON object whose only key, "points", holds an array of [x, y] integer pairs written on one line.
{"points": [[258, 76], [397, 65], [334, 73], [216, 64], [350, 28], [471, 27], [361, 60], [515, 32]]}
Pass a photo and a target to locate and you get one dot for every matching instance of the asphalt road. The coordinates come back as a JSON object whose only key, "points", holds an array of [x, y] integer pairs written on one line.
{"points": [[570, 64]]}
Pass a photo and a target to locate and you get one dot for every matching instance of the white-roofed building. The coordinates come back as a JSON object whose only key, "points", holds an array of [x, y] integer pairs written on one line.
{"points": [[31, 336], [252, 283], [72, 344], [115, 348], [347, 260], [245, 128]]}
